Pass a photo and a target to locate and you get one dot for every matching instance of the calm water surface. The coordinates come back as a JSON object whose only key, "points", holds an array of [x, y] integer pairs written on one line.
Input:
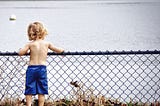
{"points": [[84, 25]]}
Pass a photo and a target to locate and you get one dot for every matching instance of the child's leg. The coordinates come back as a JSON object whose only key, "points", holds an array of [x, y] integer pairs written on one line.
{"points": [[28, 100], [41, 100]]}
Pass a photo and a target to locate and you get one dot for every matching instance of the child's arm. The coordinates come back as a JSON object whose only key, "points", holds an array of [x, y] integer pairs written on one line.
{"points": [[55, 49], [24, 50]]}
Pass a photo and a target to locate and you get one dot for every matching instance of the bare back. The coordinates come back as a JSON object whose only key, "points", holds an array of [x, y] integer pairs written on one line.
{"points": [[38, 52]]}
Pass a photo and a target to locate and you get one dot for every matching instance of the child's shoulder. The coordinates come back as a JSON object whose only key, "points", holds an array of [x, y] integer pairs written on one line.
{"points": [[47, 42], [30, 43], [39, 42]]}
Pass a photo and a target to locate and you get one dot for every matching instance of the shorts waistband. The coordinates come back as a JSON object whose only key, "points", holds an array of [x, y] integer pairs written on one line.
{"points": [[37, 66]]}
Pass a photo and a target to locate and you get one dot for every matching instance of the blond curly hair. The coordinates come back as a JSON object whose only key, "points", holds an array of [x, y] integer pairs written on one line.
{"points": [[36, 30]]}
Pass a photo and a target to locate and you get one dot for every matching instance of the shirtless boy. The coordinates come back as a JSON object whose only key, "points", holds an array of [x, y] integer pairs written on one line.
{"points": [[36, 74]]}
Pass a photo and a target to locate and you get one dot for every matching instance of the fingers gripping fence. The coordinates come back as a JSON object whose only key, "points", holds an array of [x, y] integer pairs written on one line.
{"points": [[122, 75]]}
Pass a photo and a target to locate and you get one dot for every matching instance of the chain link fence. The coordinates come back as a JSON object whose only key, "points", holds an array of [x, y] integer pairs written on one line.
{"points": [[117, 74]]}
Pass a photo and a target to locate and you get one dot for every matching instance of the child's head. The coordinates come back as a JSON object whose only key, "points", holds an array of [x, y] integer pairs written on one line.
{"points": [[36, 30]]}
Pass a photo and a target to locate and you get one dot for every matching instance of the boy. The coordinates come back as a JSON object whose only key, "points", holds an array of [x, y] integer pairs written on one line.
{"points": [[36, 74]]}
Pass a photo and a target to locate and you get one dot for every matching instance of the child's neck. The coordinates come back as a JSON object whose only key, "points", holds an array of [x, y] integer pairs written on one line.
{"points": [[37, 39]]}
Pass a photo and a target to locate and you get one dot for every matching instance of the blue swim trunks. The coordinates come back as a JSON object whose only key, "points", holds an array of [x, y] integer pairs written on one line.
{"points": [[36, 80]]}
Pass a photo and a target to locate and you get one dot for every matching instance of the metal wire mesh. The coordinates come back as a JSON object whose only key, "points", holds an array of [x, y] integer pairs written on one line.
{"points": [[123, 75]]}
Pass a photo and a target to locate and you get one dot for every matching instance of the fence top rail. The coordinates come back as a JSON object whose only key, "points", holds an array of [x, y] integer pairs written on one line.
{"points": [[91, 53]]}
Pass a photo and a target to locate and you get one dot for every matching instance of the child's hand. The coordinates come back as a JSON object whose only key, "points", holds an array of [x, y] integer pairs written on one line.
{"points": [[63, 54]]}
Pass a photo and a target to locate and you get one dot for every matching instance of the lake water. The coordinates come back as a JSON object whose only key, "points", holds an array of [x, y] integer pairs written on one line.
{"points": [[84, 25]]}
